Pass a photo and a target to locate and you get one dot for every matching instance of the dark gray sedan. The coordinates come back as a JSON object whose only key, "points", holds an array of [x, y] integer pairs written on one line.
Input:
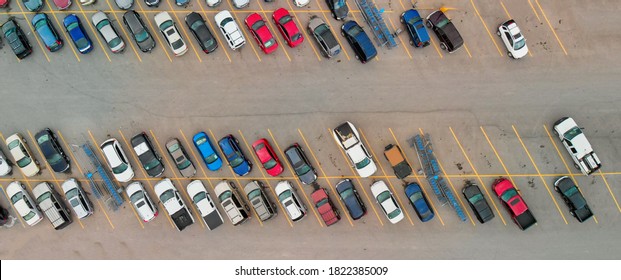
{"points": [[139, 31], [477, 202], [300, 164]]}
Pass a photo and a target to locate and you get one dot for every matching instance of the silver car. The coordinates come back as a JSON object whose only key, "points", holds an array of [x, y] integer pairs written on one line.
{"points": [[103, 25], [124, 4], [264, 208], [324, 37], [290, 201], [182, 161], [141, 201], [77, 198]]}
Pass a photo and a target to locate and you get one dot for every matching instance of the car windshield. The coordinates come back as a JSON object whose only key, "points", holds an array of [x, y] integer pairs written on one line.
{"points": [[172, 148], [285, 19], [383, 196], [200, 141], [168, 194], [321, 29], [184, 164], [55, 158], [199, 196], [225, 21], [394, 213], [23, 162], [361, 164], [102, 24], [413, 20], [270, 164], [29, 216], [13, 144], [476, 198], [142, 36], [225, 195], [302, 170], [151, 164], [16, 197], [508, 195], [137, 196], [72, 26], [82, 43], [572, 133], [347, 193], [44, 138], [296, 37], [196, 25], [254, 193], [72, 193], [338, 4], [237, 161], [258, 25], [416, 196], [270, 43], [177, 44], [519, 44], [443, 22], [166, 24], [114, 42], [120, 168], [43, 197], [210, 43], [211, 158], [284, 195], [571, 191], [354, 31], [321, 202]]}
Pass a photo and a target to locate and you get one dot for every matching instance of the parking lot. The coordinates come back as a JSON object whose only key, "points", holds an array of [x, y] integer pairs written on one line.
{"points": [[488, 117]]}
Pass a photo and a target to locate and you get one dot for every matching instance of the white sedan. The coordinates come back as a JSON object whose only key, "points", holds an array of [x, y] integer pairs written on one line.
{"points": [[513, 39], [117, 160], [24, 205], [171, 33], [290, 201], [141, 201], [387, 202], [22, 155], [78, 200]]}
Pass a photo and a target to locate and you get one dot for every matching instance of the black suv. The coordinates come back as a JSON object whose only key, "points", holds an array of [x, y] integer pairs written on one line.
{"points": [[359, 41], [447, 33], [300, 164], [16, 38], [139, 31], [149, 159], [477, 202], [574, 199], [338, 9], [52, 150], [201, 32]]}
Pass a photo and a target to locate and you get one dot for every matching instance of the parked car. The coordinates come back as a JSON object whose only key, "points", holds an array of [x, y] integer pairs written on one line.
{"points": [[173, 203], [78, 200], [513, 39], [207, 151], [450, 39], [22, 155], [47, 32], [477, 202], [348, 194], [267, 157], [6, 168], [139, 31], [397, 161], [124, 4], [419, 201], [206, 40], [261, 33], [80, 38], [182, 3], [387, 201], [171, 33], [329, 213], [301, 3], [5, 218], [338, 9], [359, 41], [53, 152], [300, 164], [213, 3], [239, 4], [33, 5], [574, 199], [203, 202], [117, 160], [180, 157], [515, 204], [234, 155], [152, 3], [578, 146], [142, 203], [107, 31], [23, 204], [234, 207], [348, 138], [87, 2], [16, 38], [296, 210], [53, 207], [416, 28], [150, 160], [264, 208], [62, 4], [230, 30], [323, 35], [3, 4], [287, 27]]}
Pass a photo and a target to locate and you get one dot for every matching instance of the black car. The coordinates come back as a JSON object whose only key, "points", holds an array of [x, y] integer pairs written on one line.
{"points": [[447, 33], [574, 199], [4, 216], [16, 38], [139, 31], [338, 9], [477, 202], [149, 159], [300, 164], [201, 32], [52, 150], [359, 41], [152, 3], [348, 194]]}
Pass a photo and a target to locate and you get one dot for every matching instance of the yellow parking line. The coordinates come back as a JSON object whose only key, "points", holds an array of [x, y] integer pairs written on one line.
{"points": [[537, 169], [94, 33], [102, 208], [486, 28], [433, 42], [499, 159], [477, 174], [359, 182], [551, 28], [417, 177], [185, 33], [156, 30], [384, 172], [563, 160], [405, 47], [145, 176], [67, 38], [452, 186], [354, 15], [295, 13], [534, 11], [608, 186], [123, 29], [327, 21], [467, 50], [29, 23], [223, 46], [312, 205], [265, 177], [51, 171], [181, 186], [324, 174], [267, 19]]}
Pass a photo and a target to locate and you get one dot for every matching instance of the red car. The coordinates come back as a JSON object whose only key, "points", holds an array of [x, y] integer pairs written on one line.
{"points": [[326, 209], [515, 204], [62, 4], [287, 27], [261, 33], [4, 3], [267, 157]]}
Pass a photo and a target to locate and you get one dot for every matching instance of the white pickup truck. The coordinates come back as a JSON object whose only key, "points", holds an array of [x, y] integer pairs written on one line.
{"points": [[348, 138], [577, 145]]}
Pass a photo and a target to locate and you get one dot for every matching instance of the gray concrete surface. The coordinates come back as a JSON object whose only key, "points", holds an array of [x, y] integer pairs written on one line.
{"points": [[299, 100]]}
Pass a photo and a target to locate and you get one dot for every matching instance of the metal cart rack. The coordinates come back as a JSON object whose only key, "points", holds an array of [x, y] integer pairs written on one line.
{"points": [[374, 18]]}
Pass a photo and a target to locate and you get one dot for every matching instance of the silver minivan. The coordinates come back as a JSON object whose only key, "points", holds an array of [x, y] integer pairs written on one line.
{"points": [[235, 208], [260, 202]]}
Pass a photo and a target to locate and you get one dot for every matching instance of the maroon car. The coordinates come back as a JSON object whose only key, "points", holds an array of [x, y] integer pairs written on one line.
{"points": [[62, 4], [328, 212]]}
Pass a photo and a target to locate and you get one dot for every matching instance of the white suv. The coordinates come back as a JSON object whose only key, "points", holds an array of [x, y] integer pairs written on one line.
{"points": [[347, 136], [230, 30]]}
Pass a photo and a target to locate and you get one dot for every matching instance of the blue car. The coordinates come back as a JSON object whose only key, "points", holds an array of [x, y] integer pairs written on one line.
{"points": [[359, 41], [208, 153], [47, 32], [33, 5], [77, 34], [348, 194], [230, 148], [416, 28], [419, 201]]}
